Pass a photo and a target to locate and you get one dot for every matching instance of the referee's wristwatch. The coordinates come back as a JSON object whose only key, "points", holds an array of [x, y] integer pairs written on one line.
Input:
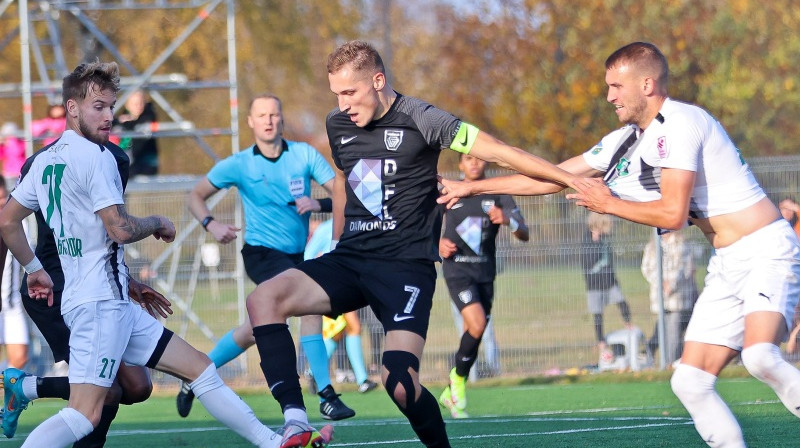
{"points": [[206, 221]]}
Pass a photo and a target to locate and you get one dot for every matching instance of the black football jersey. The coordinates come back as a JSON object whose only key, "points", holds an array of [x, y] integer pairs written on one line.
{"points": [[390, 167], [467, 224]]}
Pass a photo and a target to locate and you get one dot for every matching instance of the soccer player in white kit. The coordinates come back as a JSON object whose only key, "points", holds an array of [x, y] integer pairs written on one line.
{"points": [[77, 185], [674, 162]]}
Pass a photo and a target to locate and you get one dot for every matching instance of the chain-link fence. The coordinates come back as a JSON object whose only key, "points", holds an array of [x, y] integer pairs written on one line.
{"points": [[540, 316]]}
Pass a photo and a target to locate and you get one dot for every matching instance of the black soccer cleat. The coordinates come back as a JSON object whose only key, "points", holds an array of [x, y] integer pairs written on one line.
{"points": [[185, 399], [332, 407]]}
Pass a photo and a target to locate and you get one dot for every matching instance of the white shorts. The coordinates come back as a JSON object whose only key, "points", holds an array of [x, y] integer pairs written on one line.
{"points": [[106, 333], [760, 272], [597, 299], [14, 324]]}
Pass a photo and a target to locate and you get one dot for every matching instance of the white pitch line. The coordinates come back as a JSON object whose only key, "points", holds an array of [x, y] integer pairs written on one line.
{"points": [[523, 434], [529, 417]]}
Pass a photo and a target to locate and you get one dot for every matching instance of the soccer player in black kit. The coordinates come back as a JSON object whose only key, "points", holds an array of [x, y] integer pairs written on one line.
{"points": [[468, 248], [386, 147]]}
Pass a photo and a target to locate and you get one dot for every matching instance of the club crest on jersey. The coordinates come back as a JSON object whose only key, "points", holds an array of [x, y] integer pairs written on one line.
{"points": [[487, 205], [597, 148], [465, 296], [622, 167], [392, 139], [661, 145]]}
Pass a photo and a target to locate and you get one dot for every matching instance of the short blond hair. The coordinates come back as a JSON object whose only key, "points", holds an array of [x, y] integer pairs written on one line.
{"points": [[361, 55], [104, 75]]}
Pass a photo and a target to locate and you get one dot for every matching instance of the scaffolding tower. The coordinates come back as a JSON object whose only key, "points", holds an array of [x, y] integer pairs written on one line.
{"points": [[43, 66]]}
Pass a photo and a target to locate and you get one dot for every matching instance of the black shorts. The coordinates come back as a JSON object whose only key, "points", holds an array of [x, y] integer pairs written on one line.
{"points": [[50, 323], [262, 263], [400, 292], [465, 292]]}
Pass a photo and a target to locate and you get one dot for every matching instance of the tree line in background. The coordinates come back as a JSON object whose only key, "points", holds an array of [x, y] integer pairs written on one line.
{"points": [[528, 71]]}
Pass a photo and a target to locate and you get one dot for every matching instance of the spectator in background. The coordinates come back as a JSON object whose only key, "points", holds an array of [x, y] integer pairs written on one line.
{"points": [[789, 209], [467, 248], [143, 150], [12, 151], [49, 129], [13, 320], [602, 288], [679, 286]]}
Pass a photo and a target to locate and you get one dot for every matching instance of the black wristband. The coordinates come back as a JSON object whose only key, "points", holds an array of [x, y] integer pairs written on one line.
{"points": [[325, 205], [206, 221]]}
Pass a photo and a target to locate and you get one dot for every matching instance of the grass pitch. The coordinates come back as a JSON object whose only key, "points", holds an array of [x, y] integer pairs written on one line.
{"points": [[609, 410]]}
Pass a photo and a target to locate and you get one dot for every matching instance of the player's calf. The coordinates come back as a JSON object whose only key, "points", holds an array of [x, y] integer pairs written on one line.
{"points": [[764, 361], [712, 418]]}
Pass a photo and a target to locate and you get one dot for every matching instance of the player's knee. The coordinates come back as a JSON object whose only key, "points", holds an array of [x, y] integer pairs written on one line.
{"points": [[476, 328], [80, 425], [136, 392], [264, 302], [761, 359], [690, 383], [135, 383], [399, 382], [207, 381]]}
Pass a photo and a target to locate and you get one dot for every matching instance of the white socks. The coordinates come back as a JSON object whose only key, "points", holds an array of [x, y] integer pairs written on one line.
{"points": [[224, 405], [295, 414], [29, 387], [764, 361], [712, 417], [60, 430]]}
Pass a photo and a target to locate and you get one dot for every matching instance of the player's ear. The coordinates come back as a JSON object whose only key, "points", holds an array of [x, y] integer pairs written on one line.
{"points": [[379, 81], [72, 107], [648, 86]]}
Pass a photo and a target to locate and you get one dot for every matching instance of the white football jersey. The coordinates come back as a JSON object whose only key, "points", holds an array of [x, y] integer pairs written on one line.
{"points": [[682, 136], [70, 182]]}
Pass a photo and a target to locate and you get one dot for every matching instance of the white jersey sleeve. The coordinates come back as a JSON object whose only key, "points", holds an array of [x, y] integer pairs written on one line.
{"points": [[599, 156], [25, 193], [105, 181]]}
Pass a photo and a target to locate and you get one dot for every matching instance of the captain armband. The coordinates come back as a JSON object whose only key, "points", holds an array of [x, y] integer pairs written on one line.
{"points": [[464, 138]]}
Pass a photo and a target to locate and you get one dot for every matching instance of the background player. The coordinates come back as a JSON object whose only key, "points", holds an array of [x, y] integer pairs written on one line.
{"points": [[468, 250], [13, 322]]}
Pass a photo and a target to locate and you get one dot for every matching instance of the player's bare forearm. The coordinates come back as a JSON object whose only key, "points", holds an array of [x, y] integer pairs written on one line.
{"points": [[491, 149], [516, 184], [13, 233], [339, 197], [129, 229]]}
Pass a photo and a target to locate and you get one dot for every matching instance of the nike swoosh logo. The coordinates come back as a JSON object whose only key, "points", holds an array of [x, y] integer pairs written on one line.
{"points": [[466, 137], [765, 296], [458, 205], [275, 385], [348, 139], [10, 406], [402, 318]]}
